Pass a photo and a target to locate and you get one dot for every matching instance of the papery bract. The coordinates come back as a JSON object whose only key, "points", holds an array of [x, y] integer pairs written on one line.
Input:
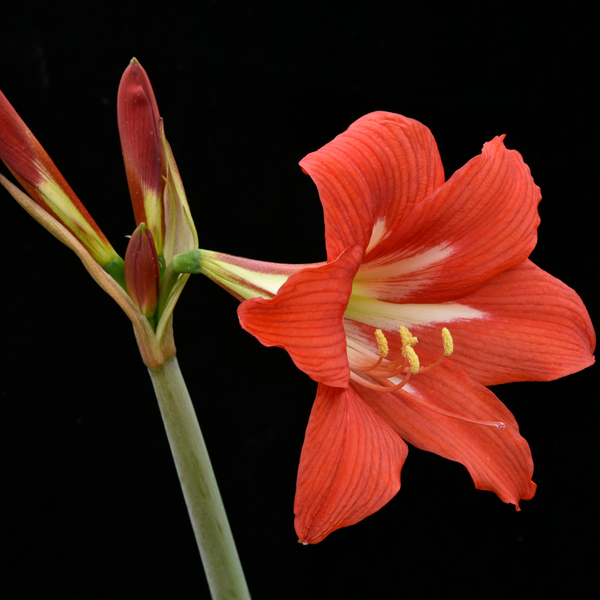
{"points": [[405, 249]]}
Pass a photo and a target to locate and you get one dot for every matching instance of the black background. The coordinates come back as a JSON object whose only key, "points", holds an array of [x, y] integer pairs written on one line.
{"points": [[91, 505]]}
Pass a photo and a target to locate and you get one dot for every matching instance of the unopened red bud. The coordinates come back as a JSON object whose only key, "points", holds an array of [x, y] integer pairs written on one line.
{"points": [[138, 118], [142, 270]]}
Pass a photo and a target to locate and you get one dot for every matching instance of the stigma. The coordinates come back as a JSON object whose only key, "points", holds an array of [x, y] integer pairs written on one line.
{"points": [[387, 376]]}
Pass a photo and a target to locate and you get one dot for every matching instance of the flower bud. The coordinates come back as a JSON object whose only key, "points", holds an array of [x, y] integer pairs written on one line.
{"points": [[142, 270], [138, 117]]}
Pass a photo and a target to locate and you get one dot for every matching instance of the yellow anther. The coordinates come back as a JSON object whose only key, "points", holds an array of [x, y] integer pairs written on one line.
{"points": [[448, 342], [382, 343], [413, 359], [407, 337]]}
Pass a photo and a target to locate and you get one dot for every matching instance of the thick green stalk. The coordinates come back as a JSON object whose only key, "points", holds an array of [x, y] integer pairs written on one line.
{"points": [[207, 513]]}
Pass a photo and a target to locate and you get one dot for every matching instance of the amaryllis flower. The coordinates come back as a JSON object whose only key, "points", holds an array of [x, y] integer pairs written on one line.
{"points": [[143, 285], [442, 269]]}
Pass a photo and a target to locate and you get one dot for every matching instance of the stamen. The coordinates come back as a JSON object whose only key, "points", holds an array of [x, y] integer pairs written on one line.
{"points": [[448, 350], [448, 342], [413, 359], [410, 362], [383, 349], [379, 388], [407, 337], [392, 369], [382, 343]]}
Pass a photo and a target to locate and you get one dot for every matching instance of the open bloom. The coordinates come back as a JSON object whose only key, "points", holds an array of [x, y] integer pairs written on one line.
{"points": [[162, 214], [414, 256]]}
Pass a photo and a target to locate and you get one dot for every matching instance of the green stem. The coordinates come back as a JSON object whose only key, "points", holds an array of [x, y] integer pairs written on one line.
{"points": [[207, 513]]}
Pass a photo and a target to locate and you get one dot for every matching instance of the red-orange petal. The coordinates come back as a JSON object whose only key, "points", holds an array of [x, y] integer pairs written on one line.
{"points": [[349, 468], [306, 318], [535, 328], [499, 460], [481, 222], [375, 172]]}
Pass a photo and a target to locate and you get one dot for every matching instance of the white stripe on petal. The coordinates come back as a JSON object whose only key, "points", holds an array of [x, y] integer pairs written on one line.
{"points": [[405, 275], [379, 232], [382, 268], [389, 316]]}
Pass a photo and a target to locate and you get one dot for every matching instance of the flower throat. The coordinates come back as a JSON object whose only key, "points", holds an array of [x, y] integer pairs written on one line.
{"points": [[377, 377]]}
